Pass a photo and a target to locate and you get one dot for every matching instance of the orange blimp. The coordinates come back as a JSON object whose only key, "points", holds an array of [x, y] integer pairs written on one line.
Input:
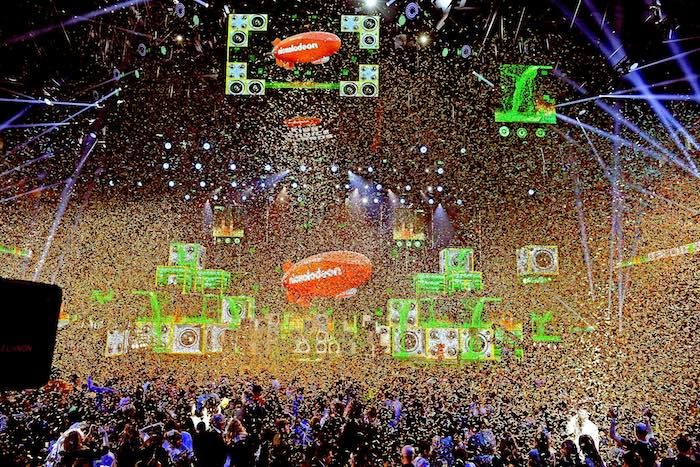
{"points": [[335, 274], [309, 47]]}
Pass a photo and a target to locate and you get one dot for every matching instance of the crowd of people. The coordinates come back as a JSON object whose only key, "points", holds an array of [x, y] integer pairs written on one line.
{"points": [[245, 421]]}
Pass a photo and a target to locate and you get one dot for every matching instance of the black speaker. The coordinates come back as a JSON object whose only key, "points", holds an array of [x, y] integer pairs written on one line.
{"points": [[28, 332]]}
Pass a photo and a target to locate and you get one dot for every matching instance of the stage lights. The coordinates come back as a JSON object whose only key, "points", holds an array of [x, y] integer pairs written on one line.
{"points": [[370, 169], [232, 167], [365, 200], [379, 186], [206, 146], [408, 187], [268, 167], [171, 184], [168, 145], [295, 185], [334, 168], [370, 3], [198, 166], [440, 171], [402, 200], [530, 192], [202, 183], [166, 166], [431, 201], [375, 200], [187, 197], [460, 202], [302, 168], [234, 184], [423, 149], [424, 39], [347, 186], [439, 189]]}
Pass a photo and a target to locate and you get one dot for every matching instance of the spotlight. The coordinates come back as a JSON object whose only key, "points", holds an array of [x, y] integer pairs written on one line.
{"points": [[440, 171], [403, 201], [423, 149], [302, 168], [424, 39], [166, 166], [234, 184], [111, 183], [460, 202], [295, 185], [530, 192], [216, 197], [364, 200], [375, 200], [347, 186], [206, 146], [171, 184], [244, 197], [463, 150], [370, 169], [366, 187], [268, 167], [232, 167], [430, 201], [198, 166], [379, 186], [262, 185], [187, 197], [408, 187], [370, 3], [179, 38], [334, 168], [439, 189], [139, 184], [168, 145], [202, 183]]}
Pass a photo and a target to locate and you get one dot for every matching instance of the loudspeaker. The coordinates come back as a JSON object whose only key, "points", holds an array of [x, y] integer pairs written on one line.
{"points": [[236, 70], [540, 260], [349, 89], [443, 343], [477, 344], [238, 39], [187, 339], [369, 32], [407, 343], [28, 334], [257, 22], [245, 87]]}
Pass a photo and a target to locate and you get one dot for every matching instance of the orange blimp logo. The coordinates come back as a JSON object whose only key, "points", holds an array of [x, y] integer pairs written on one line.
{"points": [[335, 274], [309, 47]]}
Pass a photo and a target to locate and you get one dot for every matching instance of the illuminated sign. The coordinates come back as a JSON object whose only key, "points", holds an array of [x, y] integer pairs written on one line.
{"points": [[335, 274], [308, 47]]}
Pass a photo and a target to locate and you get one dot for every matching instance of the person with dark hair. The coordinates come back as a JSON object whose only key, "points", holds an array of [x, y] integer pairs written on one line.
{"points": [[210, 445], [644, 443], [541, 455], [684, 456], [128, 446], [631, 459], [591, 456], [568, 454], [237, 444], [508, 453]]}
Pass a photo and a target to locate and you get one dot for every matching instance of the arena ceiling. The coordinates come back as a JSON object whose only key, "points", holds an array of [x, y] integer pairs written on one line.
{"points": [[432, 124]]}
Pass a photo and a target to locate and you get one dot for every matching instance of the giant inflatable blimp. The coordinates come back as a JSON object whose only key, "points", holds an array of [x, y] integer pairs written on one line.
{"points": [[335, 274], [309, 47]]}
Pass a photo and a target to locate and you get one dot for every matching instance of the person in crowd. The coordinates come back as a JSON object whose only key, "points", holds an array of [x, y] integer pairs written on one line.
{"points": [[541, 455], [408, 455], [685, 454], [568, 454], [591, 456], [643, 443]]}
